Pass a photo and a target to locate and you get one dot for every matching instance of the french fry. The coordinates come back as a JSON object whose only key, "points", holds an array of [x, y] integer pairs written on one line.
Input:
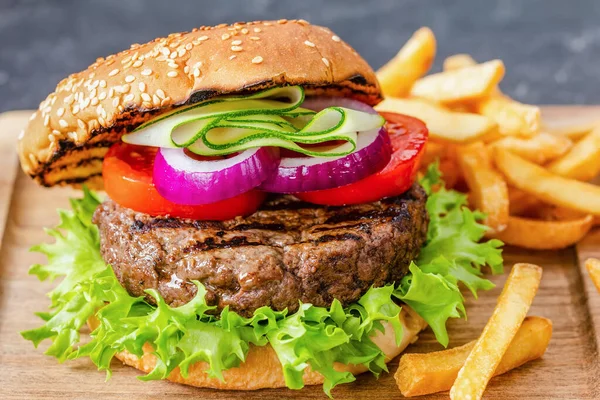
{"points": [[461, 85], [550, 212], [488, 190], [442, 123], [593, 267], [538, 149], [450, 172], [596, 220], [425, 373], [458, 61], [413, 61], [572, 131], [582, 162], [546, 186], [544, 235], [433, 151], [513, 118], [513, 305]]}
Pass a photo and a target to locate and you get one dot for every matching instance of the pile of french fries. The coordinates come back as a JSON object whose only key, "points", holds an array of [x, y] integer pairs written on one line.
{"points": [[529, 178]]}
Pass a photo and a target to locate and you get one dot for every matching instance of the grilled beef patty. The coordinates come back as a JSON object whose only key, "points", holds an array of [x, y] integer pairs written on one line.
{"points": [[285, 252]]}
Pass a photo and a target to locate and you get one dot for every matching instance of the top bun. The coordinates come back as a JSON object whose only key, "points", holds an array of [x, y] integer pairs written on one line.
{"points": [[68, 136]]}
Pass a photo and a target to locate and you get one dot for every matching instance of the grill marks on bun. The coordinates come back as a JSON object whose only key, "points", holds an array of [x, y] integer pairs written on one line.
{"points": [[121, 91]]}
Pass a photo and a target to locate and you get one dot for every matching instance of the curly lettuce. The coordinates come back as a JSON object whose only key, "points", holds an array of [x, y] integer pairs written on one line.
{"points": [[313, 336]]}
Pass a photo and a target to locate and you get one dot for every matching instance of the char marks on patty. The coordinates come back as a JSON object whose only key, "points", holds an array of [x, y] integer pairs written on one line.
{"points": [[285, 252]]}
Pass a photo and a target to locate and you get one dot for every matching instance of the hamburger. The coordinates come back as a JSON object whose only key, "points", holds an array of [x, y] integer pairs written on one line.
{"points": [[263, 226]]}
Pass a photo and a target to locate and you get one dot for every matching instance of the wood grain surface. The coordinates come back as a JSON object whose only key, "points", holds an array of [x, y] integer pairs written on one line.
{"points": [[569, 370]]}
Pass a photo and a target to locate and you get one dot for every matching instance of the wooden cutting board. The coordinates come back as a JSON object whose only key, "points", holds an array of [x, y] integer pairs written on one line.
{"points": [[569, 370]]}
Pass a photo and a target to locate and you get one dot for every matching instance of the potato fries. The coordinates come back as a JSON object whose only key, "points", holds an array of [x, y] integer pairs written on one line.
{"points": [[461, 85], [538, 149], [442, 123], [458, 61], [420, 374], [513, 305], [544, 235], [412, 62], [593, 267], [551, 188], [531, 192], [488, 190], [582, 162]]}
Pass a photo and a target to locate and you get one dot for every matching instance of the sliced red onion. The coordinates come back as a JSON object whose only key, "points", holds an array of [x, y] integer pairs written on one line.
{"points": [[184, 180], [305, 174], [320, 103]]}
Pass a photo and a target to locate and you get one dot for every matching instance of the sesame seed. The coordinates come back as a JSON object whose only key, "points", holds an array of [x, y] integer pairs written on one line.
{"points": [[102, 96], [129, 97], [81, 123], [161, 94], [257, 60], [101, 121], [32, 158], [102, 83], [236, 48], [257, 30], [161, 58], [146, 97], [94, 101], [236, 42], [165, 51], [47, 120], [33, 116], [51, 138], [63, 123], [21, 135], [165, 101], [325, 61], [173, 55], [142, 87], [309, 43], [137, 64], [173, 64], [203, 38], [116, 101], [282, 21], [113, 72], [181, 52], [146, 105], [244, 31], [225, 36], [156, 100], [254, 38], [188, 46], [129, 78], [172, 74], [336, 38], [111, 92], [55, 132], [196, 72], [93, 93], [186, 69], [146, 72], [60, 112], [75, 109]]}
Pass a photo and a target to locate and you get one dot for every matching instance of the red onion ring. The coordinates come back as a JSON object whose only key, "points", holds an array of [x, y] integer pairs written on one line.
{"points": [[305, 174], [320, 103], [184, 180]]}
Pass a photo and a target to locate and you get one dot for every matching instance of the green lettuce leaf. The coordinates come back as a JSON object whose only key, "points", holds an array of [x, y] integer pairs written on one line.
{"points": [[313, 336]]}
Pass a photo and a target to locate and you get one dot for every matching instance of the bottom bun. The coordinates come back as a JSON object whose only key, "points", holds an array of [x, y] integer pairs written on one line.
{"points": [[262, 368]]}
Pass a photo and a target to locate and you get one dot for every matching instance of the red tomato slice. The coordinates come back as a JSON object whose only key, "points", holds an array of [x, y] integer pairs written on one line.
{"points": [[408, 136], [127, 173]]}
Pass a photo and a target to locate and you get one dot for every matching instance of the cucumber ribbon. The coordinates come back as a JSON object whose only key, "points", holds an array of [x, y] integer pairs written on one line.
{"points": [[272, 117]]}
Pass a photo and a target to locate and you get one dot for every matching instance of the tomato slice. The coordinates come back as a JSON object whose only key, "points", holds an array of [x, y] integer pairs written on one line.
{"points": [[408, 136], [127, 172]]}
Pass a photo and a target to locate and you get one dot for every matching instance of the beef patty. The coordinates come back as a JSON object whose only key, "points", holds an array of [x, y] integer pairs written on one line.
{"points": [[285, 252]]}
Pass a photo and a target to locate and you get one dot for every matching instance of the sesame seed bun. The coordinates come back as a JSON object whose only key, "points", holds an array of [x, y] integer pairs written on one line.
{"points": [[68, 136], [262, 368]]}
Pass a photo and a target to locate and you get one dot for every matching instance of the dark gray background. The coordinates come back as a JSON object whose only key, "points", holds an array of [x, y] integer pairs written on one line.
{"points": [[551, 47]]}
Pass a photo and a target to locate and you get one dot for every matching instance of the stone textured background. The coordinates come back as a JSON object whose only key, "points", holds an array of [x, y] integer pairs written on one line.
{"points": [[551, 47]]}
